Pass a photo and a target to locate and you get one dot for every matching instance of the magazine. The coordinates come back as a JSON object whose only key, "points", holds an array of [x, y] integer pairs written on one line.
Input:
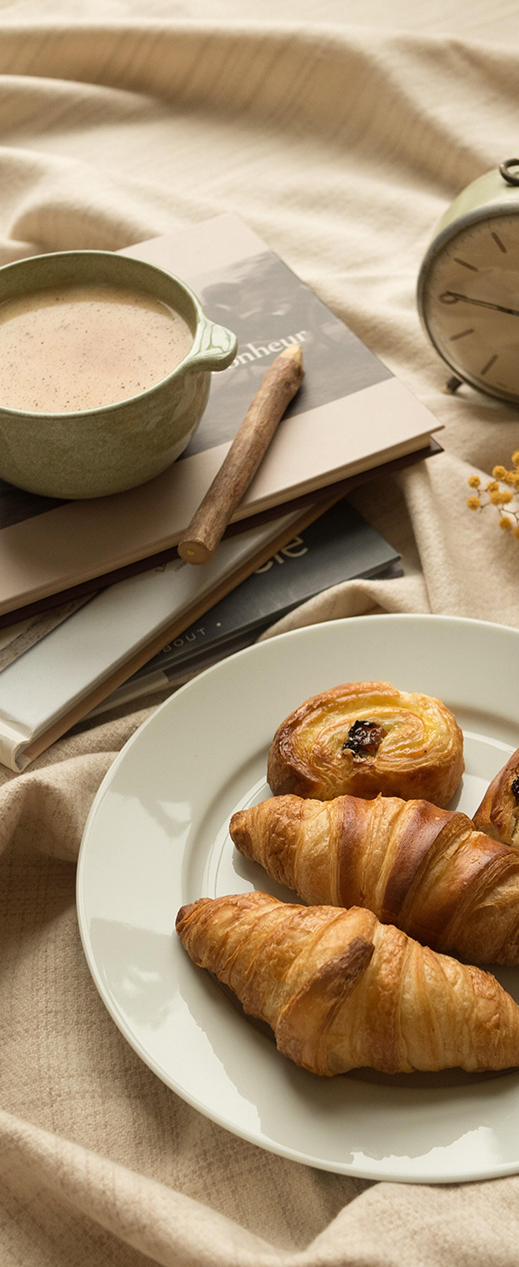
{"points": [[350, 416]]}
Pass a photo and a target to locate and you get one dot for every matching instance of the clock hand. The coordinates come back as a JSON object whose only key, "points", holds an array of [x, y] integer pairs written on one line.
{"points": [[451, 297]]}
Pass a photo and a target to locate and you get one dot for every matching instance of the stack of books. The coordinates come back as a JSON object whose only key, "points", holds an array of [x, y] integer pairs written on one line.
{"points": [[95, 603]]}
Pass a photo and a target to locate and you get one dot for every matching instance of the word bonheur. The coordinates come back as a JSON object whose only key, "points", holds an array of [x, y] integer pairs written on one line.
{"points": [[266, 349]]}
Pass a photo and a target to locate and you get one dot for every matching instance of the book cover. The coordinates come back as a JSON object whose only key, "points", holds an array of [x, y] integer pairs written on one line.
{"points": [[57, 681], [351, 415], [336, 547]]}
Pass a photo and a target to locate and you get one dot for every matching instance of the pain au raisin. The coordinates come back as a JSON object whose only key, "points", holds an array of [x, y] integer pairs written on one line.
{"points": [[365, 738]]}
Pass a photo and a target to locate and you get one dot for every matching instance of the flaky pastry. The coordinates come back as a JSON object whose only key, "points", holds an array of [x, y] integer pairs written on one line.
{"points": [[363, 738], [342, 991], [425, 869], [498, 814]]}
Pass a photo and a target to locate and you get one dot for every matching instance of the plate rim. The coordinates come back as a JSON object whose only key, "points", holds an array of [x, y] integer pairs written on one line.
{"points": [[498, 1170]]}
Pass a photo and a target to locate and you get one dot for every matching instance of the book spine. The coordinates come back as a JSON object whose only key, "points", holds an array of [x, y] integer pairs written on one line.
{"points": [[12, 745]]}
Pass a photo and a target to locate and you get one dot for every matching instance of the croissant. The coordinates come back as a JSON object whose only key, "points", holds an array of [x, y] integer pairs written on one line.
{"points": [[364, 738], [342, 991], [422, 868], [498, 814]]}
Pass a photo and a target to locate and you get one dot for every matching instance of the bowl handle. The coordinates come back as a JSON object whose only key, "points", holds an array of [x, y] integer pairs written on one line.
{"points": [[214, 347]]}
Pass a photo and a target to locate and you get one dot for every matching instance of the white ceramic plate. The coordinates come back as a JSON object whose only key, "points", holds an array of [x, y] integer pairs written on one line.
{"points": [[157, 837]]}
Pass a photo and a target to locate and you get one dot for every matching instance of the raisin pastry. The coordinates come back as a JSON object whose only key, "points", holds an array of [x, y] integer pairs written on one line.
{"points": [[422, 868], [498, 813], [342, 991], [363, 738]]}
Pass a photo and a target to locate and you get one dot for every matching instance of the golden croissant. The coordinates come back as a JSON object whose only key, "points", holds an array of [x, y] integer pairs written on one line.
{"points": [[498, 814], [422, 868], [342, 991], [363, 738]]}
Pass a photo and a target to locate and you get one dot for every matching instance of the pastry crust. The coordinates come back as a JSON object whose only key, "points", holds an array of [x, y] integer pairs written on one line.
{"points": [[425, 869], [408, 746], [498, 814], [342, 991]]}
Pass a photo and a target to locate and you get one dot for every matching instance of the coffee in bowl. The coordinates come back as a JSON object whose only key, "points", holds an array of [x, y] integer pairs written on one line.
{"points": [[80, 347], [105, 370]]}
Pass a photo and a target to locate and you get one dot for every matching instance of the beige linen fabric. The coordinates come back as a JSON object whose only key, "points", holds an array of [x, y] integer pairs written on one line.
{"points": [[341, 140]]}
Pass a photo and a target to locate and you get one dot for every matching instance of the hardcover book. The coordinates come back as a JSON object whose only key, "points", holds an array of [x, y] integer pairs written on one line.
{"points": [[336, 547], [350, 416], [76, 665], [45, 690]]}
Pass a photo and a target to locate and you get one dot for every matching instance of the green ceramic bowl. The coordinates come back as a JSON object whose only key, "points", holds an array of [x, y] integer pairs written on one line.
{"points": [[94, 452]]}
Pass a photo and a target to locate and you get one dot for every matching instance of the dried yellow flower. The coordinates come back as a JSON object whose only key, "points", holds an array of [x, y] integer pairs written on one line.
{"points": [[493, 494], [500, 499]]}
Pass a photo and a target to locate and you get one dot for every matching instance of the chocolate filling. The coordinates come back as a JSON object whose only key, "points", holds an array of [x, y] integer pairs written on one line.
{"points": [[514, 788]]}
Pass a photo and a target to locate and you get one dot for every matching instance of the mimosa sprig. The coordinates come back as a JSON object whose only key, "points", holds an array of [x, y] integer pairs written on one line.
{"points": [[492, 494]]}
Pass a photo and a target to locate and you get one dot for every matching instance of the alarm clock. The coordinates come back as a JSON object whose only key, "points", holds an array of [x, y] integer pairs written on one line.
{"points": [[468, 287]]}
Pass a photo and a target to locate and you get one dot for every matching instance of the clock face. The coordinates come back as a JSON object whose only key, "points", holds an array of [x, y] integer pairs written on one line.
{"points": [[471, 304]]}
